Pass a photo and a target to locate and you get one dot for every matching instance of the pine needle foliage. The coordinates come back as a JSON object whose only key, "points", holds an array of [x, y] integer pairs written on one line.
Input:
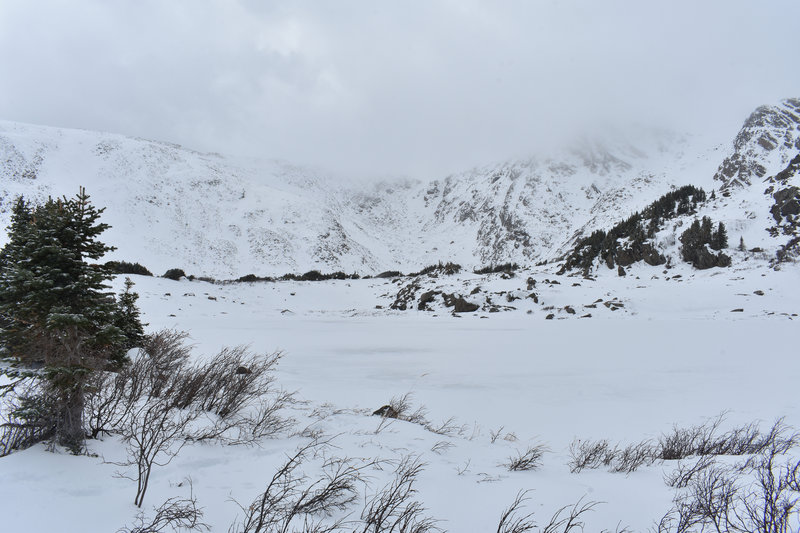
{"points": [[56, 310]]}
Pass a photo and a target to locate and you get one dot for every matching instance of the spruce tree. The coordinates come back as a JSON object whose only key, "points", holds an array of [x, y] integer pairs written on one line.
{"points": [[706, 230], [719, 239], [127, 318], [55, 308]]}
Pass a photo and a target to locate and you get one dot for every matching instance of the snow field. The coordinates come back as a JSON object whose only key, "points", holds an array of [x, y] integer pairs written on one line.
{"points": [[673, 354]]}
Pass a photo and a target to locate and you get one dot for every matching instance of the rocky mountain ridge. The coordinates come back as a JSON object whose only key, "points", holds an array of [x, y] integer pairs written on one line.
{"points": [[223, 216]]}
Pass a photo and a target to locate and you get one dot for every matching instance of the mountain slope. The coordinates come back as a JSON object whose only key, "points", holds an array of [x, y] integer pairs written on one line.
{"points": [[759, 181], [758, 202], [223, 216]]}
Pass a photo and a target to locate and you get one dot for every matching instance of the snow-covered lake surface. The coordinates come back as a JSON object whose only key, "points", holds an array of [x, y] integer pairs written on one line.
{"points": [[675, 353]]}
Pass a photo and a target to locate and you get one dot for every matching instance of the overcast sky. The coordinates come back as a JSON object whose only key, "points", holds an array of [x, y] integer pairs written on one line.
{"points": [[415, 87]]}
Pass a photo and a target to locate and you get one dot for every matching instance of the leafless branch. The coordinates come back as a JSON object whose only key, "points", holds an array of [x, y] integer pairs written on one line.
{"points": [[511, 521]]}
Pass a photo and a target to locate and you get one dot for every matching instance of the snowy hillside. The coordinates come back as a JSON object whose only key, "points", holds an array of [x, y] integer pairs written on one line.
{"points": [[208, 214]]}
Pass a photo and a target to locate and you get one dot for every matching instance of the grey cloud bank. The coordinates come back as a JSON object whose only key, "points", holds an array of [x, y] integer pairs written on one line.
{"points": [[412, 87]]}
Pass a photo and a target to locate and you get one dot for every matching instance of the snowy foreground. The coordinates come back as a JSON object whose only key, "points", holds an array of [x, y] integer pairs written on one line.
{"points": [[674, 353]]}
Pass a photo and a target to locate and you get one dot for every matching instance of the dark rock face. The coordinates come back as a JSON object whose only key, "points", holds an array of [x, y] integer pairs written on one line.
{"points": [[787, 202], [768, 128], [787, 197], [786, 209]]}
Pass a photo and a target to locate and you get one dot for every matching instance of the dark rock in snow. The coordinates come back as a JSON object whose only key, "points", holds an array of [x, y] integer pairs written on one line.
{"points": [[459, 304], [425, 299], [787, 202], [389, 274], [387, 411]]}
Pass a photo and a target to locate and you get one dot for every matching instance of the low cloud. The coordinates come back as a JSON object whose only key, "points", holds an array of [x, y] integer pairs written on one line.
{"points": [[418, 87]]}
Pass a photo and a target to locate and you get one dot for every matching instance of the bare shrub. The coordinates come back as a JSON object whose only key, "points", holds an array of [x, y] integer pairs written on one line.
{"points": [[442, 446], [110, 397], [530, 459], [494, 435], [393, 509], [292, 499], [772, 505], [779, 440], [265, 420], [159, 402], [235, 390], [167, 355], [564, 520], [383, 424], [682, 476], [705, 439], [154, 370], [631, 457], [26, 416], [702, 440], [590, 454], [227, 382], [446, 428], [153, 432], [569, 517], [173, 514], [684, 442], [760, 496], [512, 521], [402, 406]]}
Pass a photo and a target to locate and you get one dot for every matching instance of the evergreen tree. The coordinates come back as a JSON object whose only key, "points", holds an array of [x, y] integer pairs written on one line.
{"points": [[719, 239], [127, 319], [742, 247], [55, 308], [695, 239], [706, 230]]}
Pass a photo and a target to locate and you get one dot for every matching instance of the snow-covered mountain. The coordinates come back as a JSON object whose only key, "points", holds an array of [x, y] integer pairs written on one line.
{"points": [[758, 182], [171, 207]]}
